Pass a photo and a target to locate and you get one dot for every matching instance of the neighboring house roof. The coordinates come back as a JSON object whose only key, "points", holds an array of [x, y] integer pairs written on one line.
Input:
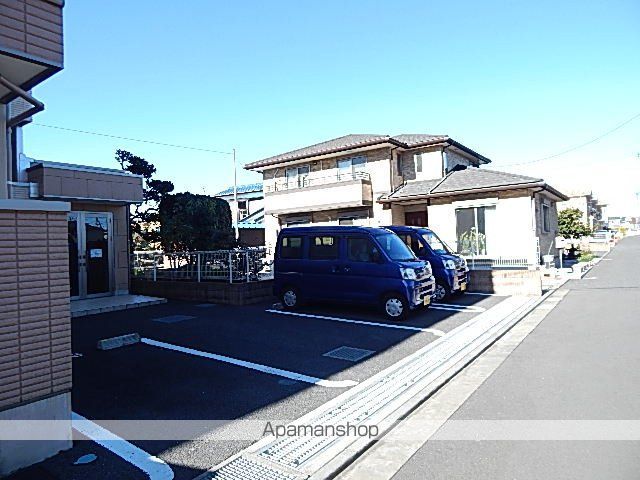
{"points": [[255, 220], [353, 141], [247, 188], [469, 180]]}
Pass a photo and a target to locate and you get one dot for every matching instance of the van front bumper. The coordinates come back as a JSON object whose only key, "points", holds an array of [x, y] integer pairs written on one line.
{"points": [[422, 289]]}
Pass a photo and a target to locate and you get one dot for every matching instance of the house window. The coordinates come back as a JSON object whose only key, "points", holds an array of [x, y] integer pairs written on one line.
{"points": [[291, 248], [297, 177], [418, 159], [243, 210], [349, 168], [473, 226], [323, 248], [546, 221]]}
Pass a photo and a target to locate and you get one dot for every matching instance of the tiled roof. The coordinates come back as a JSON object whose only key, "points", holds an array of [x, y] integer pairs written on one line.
{"points": [[349, 142], [247, 188], [462, 180]]}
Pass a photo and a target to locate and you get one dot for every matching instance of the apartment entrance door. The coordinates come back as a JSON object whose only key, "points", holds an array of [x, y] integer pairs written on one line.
{"points": [[90, 254]]}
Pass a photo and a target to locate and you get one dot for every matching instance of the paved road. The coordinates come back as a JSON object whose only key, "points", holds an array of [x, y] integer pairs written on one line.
{"points": [[581, 363]]}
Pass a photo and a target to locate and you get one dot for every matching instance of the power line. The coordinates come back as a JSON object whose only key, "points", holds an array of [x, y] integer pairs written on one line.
{"points": [[152, 142], [593, 140]]}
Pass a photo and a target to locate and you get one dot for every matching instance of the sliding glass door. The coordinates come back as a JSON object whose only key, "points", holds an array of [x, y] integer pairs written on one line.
{"points": [[90, 254], [473, 230]]}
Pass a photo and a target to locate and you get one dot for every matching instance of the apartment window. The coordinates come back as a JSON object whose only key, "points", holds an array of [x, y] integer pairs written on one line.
{"points": [[297, 177], [360, 249], [418, 160], [323, 248], [473, 227], [349, 167], [291, 247], [546, 221]]}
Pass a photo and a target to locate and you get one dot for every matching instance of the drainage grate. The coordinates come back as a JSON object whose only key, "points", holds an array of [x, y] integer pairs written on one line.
{"points": [[254, 469], [348, 353], [172, 318]]}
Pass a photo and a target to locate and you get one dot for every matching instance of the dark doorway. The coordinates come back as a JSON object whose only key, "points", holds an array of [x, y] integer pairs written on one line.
{"points": [[416, 219]]}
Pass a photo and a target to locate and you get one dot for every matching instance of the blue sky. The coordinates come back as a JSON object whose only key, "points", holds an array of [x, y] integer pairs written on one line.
{"points": [[515, 81]]}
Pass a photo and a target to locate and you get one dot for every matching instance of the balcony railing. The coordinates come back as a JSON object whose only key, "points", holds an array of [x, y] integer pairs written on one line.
{"points": [[311, 181]]}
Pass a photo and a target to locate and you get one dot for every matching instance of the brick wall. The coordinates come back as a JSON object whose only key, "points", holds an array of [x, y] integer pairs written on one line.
{"points": [[35, 330], [506, 282]]}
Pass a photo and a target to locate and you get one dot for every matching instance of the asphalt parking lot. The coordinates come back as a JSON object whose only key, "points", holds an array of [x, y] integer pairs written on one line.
{"points": [[246, 363]]}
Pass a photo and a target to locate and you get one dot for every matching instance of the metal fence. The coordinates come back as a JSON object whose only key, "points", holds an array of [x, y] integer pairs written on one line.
{"points": [[486, 263], [239, 265], [312, 180]]}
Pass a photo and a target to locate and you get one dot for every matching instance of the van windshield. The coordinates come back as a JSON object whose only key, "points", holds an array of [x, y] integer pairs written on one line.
{"points": [[437, 245], [395, 248]]}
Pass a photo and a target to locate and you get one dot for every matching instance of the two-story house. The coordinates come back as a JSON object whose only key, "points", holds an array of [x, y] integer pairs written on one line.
{"points": [[64, 233], [247, 212], [412, 179], [593, 210]]}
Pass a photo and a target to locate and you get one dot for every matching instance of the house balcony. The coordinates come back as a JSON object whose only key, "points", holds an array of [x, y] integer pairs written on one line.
{"points": [[31, 47], [310, 193]]}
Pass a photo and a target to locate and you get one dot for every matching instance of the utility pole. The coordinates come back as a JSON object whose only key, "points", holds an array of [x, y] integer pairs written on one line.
{"points": [[235, 195]]}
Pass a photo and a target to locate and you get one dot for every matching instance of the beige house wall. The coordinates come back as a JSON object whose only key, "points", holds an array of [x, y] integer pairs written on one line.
{"points": [[76, 182], [35, 338]]}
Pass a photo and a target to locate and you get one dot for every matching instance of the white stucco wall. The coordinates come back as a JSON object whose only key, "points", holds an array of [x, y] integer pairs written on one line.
{"points": [[510, 233]]}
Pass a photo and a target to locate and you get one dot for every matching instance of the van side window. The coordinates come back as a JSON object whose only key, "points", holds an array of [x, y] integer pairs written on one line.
{"points": [[323, 248], [291, 247], [361, 249], [411, 242]]}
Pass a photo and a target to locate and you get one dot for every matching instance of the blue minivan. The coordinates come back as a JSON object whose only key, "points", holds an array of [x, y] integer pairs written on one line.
{"points": [[352, 265], [450, 270]]}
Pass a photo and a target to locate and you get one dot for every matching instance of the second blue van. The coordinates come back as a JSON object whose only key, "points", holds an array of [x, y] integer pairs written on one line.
{"points": [[350, 264], [450, 270]]}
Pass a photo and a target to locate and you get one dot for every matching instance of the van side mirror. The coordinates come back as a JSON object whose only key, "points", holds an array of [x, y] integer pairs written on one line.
{"points": [[376, 257]]}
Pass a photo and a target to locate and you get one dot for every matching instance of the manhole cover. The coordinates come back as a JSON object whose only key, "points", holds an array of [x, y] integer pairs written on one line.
{"points": [[173, 318], [348, 353]]}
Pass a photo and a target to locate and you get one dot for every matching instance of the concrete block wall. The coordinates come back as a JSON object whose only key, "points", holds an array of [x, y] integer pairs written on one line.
{"points": [[506, 282]]}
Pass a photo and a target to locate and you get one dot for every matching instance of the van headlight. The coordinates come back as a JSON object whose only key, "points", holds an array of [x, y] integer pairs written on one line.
{"points": [[449, 264], [427, 269], [408, 273]]}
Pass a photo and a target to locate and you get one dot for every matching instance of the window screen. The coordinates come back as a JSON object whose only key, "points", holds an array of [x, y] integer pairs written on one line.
{"points": [[291, 247], [323, 248]]}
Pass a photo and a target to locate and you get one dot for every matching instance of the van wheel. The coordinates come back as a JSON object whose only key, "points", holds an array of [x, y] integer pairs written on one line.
{"points": [[290, 298], [441, 292], [395, 307]]}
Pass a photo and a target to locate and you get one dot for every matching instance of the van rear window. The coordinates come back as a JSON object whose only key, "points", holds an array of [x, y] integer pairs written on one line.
{"points": [[323, 248], [291, 247]]}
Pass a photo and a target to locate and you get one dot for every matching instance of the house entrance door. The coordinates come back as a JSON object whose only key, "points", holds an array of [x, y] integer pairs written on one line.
{"points": [[90, 254], [415, 219]]}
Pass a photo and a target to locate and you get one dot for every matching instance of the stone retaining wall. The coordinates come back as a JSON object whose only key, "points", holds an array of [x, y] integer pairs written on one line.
{"points": [[213, 292], [506, 282]]}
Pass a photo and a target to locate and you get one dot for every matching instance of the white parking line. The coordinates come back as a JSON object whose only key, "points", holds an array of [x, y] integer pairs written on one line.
{"points": [[469, 308], [155, 468], [484, 294], [253, 366], [437, 333]]}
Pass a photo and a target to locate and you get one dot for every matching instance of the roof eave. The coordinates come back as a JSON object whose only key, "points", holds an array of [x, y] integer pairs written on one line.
{"points": [[258, 166], [471, 191]]}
